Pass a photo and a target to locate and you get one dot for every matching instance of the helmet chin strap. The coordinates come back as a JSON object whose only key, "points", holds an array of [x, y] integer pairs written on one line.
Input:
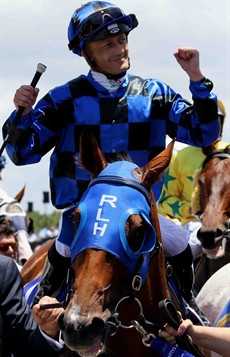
{"points": [[94, 67]]}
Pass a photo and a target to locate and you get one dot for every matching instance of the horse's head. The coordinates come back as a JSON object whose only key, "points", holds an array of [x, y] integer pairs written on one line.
{"points": [[116, 234], [214, 202]]}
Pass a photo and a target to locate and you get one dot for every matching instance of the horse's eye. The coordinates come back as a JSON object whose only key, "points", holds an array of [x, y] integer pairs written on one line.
{"points": [[76, 215], [227, 213], [201, 182], [135, 232]]}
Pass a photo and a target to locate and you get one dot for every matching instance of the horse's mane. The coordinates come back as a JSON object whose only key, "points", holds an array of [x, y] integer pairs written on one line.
{"points": [[195, 198], [122, 156]]}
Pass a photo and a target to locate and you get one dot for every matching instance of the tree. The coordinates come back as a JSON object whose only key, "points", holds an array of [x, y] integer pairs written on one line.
{"points": [[44, 220]]}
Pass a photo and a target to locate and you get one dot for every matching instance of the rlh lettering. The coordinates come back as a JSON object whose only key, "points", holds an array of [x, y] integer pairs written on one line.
{"points": [[98, 227]]}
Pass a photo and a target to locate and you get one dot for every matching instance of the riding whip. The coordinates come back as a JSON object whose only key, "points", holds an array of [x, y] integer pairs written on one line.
{"points": [[40, 69]]}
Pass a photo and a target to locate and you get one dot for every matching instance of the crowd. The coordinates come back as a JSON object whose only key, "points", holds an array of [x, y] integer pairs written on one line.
{"points": [[17, 237], [127, 114]]}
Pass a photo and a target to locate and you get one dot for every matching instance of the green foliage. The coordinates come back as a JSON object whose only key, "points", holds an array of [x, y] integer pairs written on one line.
{"points": [[44, 220]]}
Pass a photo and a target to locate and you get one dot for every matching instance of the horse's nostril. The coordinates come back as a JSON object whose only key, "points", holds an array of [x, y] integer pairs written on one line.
{"points": [[98, 324], [207, 238], [219, 233]]}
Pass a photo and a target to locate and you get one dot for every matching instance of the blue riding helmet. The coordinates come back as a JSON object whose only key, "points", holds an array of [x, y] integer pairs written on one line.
{"points": [[2, 162], [97, 20]]}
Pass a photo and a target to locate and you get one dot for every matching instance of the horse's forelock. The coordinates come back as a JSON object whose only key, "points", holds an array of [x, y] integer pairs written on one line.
{"points": [[117, 157]]}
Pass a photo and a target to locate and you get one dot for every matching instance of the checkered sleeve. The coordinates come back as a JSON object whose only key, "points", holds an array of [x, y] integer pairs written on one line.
{"points": [[197, 123], [39, 131]]}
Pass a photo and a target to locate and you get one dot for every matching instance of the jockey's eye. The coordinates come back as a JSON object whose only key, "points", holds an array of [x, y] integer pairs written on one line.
{"points": [[227, 213], [135, 232]]}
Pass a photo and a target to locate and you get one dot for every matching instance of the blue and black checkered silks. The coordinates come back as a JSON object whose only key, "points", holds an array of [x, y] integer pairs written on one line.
{"points": [[134, 119]]}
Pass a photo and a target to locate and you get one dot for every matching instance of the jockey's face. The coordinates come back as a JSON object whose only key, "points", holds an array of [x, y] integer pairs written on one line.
{"points": [[110, 55]]}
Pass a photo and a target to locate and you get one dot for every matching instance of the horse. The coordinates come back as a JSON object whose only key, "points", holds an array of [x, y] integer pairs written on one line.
{"points": [[11, 209], [216, 306], [211, 198], [117, 286]]}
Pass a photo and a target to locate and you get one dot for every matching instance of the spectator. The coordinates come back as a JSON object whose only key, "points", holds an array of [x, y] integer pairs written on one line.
{"points": [[19, 333], [11, 208], [216, 339], [8, 240], [175, 200], [125, 112]]}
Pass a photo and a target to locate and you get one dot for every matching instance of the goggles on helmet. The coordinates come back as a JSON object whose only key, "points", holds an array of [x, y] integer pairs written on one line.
{"points": [[95, 21], [91, 27]]}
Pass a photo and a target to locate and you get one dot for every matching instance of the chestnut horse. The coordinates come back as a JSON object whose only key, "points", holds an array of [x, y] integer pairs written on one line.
{"points": [[118, 273], [213, 197], [118, 266]]}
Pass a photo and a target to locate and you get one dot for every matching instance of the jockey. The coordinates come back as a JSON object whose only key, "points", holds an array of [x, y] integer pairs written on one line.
{"points": [[12, 209], [126, 114], [175, 200]]}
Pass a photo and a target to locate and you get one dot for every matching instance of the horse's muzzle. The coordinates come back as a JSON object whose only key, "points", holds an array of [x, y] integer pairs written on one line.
{"points": [[209, 239], [87, 340]]}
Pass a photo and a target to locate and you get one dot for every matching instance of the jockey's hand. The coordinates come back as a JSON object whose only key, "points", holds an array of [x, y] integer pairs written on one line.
{"points": [[188, 58], [25, 97], [47, 319]]}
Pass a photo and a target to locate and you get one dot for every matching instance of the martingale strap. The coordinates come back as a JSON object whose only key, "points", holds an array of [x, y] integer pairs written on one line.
{"points": [[165, 349], [169, 312]]}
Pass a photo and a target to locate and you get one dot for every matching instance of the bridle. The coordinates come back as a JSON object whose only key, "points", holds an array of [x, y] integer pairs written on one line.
{"points": [[143, 260], [114, 322]]}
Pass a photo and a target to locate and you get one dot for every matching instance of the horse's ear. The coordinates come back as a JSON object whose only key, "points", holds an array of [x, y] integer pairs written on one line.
{"points": [[20, 194], [208, 150], [91, 157], [154, 168]]}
